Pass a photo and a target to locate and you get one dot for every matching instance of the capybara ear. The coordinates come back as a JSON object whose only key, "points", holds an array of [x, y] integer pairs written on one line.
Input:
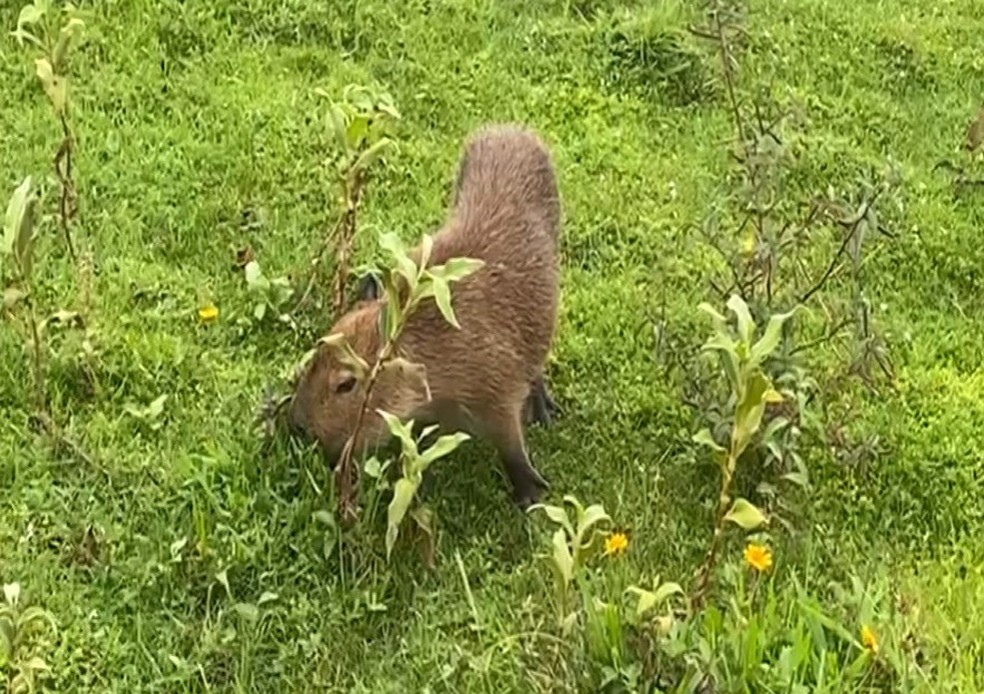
{"points": [[369, 288]]}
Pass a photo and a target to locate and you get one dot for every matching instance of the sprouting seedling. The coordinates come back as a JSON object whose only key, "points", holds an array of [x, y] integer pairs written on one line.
{"points": [[19, 627], [572, 544], [34, 27], [406, 284], [741, 356], [359, 124], [17, 251], [414, 464]]}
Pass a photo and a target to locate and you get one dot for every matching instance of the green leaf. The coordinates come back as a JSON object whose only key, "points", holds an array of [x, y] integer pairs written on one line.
{"points": [[746, 326], [649, 599], [442, 447], [72, 29], [55, 86], [442, 297], [705, 438], [562, 559], [746, 515], [11, 593], [30, 14], [12, 296], [338, 125], [19, 226], [593, 516], [403, 493], [343, 351], [748, 414], [254, 276], [558, 515], [457, 268], [770, 339], [355, 131], [426, 247], [373, 468], [372, 155], [402, 431], [405, 266]]}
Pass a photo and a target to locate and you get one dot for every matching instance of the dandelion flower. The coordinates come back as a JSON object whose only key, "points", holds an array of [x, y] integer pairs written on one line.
{"points": [[869, 638], [759, 557], [209, 313], [615, 544]]}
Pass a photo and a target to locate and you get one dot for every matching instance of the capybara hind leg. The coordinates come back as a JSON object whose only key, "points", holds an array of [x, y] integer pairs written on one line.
{"points": [[540, 407], [527, 483]]}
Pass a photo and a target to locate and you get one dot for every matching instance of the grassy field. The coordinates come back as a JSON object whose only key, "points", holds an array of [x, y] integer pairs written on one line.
{"points": [[178, 551]]}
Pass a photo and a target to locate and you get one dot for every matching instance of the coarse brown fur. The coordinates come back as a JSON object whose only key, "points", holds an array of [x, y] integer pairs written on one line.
{"points": [[507, 212]]}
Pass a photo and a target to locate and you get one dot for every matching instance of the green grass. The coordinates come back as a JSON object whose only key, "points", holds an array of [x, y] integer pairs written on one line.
{"points": [[193, 117]]}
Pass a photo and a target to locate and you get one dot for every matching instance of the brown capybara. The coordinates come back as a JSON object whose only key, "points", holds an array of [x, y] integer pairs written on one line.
{"points": [[486, 377]]}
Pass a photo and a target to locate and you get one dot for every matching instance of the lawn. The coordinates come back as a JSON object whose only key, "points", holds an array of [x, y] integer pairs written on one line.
{"points": [[176, 549]]}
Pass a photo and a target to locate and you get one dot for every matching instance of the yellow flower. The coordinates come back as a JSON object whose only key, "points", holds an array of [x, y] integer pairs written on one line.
{"points": [[759, 557], [615, 544], [209, 313], [869, 638]]}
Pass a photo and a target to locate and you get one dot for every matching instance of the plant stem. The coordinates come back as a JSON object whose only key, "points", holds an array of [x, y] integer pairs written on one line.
{"points": [[710, 559], [66, 204]]}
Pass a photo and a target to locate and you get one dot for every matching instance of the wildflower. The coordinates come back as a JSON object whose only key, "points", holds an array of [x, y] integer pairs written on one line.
{"points": [[759, 557], [869, 638], [615, 544], [209, 313]]}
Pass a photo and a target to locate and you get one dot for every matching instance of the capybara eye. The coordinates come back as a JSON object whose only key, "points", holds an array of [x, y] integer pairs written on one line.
{"points": [[345, 386]]}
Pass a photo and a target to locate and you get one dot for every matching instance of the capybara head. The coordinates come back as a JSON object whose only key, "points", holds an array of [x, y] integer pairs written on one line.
{"points": [[328, 396]]}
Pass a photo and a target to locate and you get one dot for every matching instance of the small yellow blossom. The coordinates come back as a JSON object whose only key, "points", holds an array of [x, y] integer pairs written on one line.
{"points": [[759, 557], [615, 544], [209, 313], [869, 638]]}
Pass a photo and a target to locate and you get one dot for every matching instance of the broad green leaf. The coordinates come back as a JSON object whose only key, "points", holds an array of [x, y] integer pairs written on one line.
{"points": [[223, 578], [11, 593], [442, 297], [728, 356], [338, 125], [705, 438], [403, 493], [563, 561], [343, 351], [770, 339], [392, 244], [254, 276], [746, 515], [426, 247], [749, 411], [649, 599], [373, 468], [746, 326], [457, 268], [402, 431], [798, 478], [250, 613], [372, 155], [593, 516], [156, 408], [30, 14], [72, 29], [12, 295], [558, 515], [442, 447], [55, 86], [35, 664], [571, 500], [355, 131], [19, 225]]}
